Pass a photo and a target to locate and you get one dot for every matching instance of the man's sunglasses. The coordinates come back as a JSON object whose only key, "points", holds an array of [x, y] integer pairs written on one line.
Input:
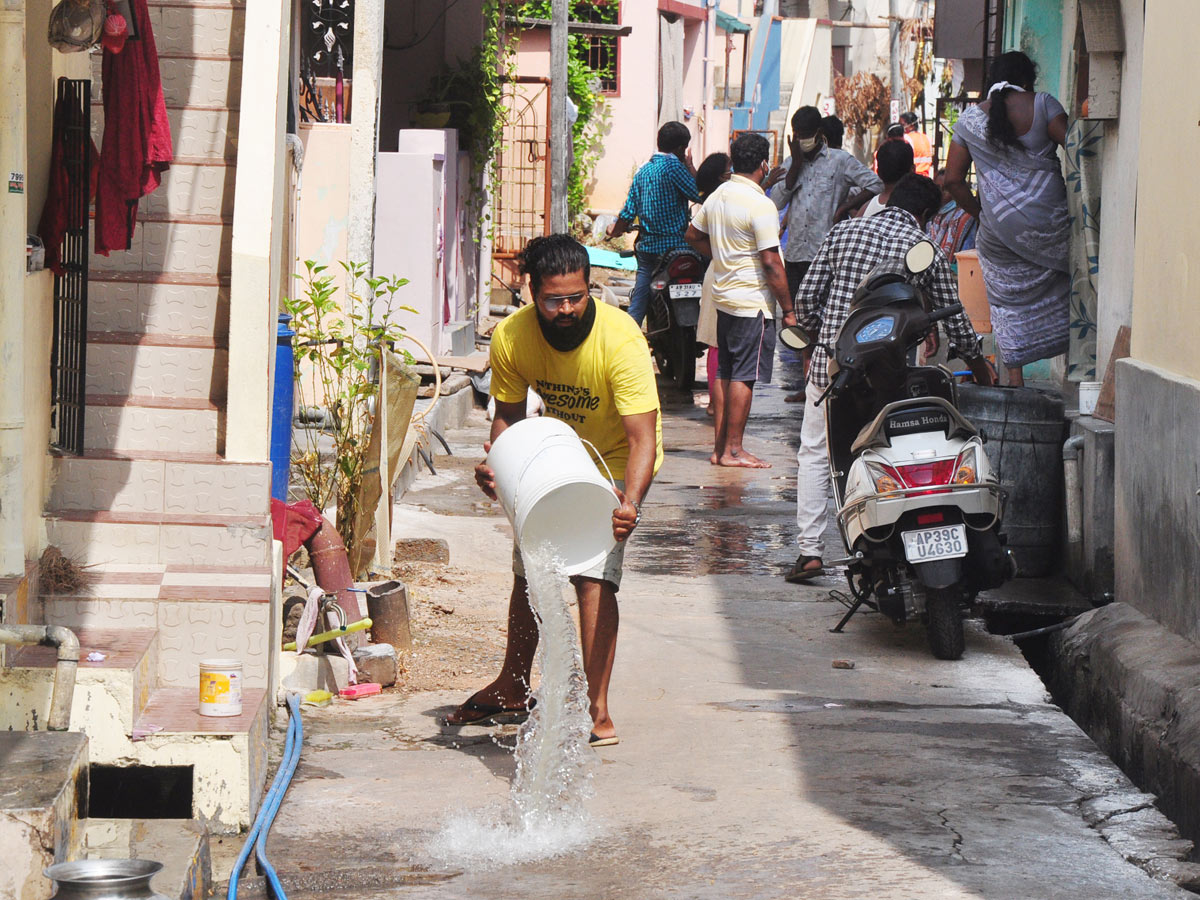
{"points": [[550, 304]]}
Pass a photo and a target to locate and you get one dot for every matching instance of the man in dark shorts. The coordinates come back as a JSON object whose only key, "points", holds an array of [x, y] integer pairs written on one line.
{"points": [[738, 227]]}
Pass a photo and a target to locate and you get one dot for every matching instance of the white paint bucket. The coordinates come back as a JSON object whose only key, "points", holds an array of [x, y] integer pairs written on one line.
{"points": [[1089, 393], [552, 491], [220, 687]]}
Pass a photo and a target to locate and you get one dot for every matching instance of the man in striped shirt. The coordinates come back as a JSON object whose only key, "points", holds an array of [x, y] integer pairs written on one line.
{"points": [[738, 227], [851, 250]]}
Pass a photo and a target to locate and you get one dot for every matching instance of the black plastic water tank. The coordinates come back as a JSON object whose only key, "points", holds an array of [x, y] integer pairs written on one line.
{"points": [[1025, 430]]}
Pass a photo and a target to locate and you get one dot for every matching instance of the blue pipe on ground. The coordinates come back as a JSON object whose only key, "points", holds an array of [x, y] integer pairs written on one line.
{"points": [[257, 838], [283, 399]]}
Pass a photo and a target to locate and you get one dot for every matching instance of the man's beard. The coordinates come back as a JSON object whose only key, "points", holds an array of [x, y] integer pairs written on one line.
{"points": [[565, 338]]}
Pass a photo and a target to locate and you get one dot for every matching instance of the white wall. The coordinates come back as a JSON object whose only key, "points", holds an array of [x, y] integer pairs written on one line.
{"points": [[1120, 174]]}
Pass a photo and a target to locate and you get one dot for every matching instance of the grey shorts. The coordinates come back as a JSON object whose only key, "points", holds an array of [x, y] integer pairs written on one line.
{"points": [[745, 347], [608, 569]]}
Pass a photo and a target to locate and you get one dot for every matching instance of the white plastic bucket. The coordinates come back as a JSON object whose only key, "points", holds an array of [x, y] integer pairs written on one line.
{"points": [[220, 687], [1089, 393], [552, 491]]}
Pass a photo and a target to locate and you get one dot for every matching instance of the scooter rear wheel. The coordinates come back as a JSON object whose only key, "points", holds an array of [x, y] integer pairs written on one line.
{"points": [[945, 623]]}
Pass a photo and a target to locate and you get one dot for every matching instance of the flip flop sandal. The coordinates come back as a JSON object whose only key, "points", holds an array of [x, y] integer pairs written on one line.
{"points": [[594, 741], [487, 714], [800, 574]]}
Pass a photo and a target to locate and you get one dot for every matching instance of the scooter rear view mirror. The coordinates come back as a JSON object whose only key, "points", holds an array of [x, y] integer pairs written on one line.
{"points": [[795, 337], [920, 257]]}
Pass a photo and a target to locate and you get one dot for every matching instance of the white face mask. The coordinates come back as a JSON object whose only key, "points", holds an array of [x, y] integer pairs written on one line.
{"points": [[807, 145]]}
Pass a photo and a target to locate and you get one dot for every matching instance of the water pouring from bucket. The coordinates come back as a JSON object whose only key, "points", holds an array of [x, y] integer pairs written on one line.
{"points": [[553, 492]]}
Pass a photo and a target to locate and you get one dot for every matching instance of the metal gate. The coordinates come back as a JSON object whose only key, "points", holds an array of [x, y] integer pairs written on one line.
{"points": [[522, 187], [69, 350]]}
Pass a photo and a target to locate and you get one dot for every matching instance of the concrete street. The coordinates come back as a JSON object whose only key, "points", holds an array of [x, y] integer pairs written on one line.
{"points": [[748, 766]]}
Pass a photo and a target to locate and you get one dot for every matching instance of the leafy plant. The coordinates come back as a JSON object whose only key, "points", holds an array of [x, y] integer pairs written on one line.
{"points": [[338, 349]]}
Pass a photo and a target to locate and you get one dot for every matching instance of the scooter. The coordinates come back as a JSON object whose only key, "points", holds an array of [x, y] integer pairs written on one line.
{"points": [[918, 505], [673, 313]]}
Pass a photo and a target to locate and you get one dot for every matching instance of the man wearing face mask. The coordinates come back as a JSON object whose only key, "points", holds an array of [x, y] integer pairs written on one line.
{"points": [[821, 186], [591, 366]]}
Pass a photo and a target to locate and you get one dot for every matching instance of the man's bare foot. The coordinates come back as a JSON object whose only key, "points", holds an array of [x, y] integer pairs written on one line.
{"points": [[715, 458], [743, 460]]}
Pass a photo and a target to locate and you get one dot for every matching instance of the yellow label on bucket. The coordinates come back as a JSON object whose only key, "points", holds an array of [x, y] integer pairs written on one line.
{"points": [[214, 687]]}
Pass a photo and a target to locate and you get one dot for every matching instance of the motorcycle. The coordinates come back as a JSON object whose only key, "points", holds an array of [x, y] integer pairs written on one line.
{"points": [[673, 313], [918, 505]]}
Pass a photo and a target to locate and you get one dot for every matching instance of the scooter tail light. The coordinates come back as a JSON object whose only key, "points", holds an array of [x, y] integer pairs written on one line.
{"points": [[939, 471], [887, 480], [658, 284], [966, 471]]}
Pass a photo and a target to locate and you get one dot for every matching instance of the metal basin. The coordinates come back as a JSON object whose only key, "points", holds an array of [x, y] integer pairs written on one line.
{"points": [[105, 879]]}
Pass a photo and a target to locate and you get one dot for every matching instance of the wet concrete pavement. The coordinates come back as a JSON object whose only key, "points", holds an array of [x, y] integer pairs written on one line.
{"points": [[748, 766]]}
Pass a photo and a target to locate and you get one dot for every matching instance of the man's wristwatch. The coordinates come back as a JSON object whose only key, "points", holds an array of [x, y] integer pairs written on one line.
{"points": [[638, 518]]}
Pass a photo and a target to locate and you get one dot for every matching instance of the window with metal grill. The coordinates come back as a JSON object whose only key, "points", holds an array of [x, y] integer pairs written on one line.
{"points": [[600, 51]]}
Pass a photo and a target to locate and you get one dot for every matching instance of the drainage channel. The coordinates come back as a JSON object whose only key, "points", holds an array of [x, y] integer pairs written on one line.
{"points": [[1131, 821]]}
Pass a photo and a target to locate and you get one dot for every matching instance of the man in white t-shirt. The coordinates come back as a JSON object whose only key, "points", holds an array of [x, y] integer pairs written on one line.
{"points": [[738, 227]]}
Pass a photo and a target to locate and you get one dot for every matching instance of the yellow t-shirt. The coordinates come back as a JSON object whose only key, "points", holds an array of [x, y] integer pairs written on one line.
{"points": [[591, 387]]}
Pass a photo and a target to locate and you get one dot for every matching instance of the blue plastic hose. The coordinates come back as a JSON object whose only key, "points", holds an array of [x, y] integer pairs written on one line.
{"points": [[257, 838]]}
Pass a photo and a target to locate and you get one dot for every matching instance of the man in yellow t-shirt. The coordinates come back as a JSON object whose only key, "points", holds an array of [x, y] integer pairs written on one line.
{"points": [[590, 364]]}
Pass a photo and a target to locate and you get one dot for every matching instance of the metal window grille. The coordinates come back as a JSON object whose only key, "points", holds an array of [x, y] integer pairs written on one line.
{"points": [[523, 167], [600, 51], [326, 59], [68, 356]]}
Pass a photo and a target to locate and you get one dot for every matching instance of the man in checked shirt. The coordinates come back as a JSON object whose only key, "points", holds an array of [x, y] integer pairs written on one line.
{"points": [[658, 199], [843, 260]]}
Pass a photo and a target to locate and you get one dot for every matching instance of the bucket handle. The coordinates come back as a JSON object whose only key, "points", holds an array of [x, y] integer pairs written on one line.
{"points": [[599, 458]]}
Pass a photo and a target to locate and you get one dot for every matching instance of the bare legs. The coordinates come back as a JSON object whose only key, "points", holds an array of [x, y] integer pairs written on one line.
{"points": [[1016, 376], [730, 424], [598, 621]]}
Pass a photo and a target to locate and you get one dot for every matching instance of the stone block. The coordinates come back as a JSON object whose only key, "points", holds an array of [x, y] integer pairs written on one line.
{"points": [[376, 662], [42, 783]]}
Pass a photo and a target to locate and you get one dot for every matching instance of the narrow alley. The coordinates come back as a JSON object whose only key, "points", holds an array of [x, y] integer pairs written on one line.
{"points": [[748, 766]]}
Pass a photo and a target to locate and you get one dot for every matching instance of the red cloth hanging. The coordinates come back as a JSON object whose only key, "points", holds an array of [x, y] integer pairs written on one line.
{"points": [[136, 148]]}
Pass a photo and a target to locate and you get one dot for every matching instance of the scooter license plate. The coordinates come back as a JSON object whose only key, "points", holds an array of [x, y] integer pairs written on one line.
{"points": [[928, 544], [684, 290]]}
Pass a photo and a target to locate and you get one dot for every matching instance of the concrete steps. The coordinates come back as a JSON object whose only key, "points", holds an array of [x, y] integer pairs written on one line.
{"points": [[176, 541], [43, 787]]}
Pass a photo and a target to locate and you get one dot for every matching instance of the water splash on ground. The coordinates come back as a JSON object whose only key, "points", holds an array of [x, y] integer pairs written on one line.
{"points": [[545, 814]]}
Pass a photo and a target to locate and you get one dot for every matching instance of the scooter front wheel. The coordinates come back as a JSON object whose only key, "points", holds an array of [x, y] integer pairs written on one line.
{"points": [[945, 623]]}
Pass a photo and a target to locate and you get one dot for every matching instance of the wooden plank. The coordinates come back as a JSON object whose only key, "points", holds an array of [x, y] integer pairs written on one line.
{"points": [[1106, 405], [476, 362]]}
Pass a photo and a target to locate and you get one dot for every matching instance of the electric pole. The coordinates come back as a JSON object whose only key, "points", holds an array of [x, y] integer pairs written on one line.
{"points": [[898, 92], [560, 128]]}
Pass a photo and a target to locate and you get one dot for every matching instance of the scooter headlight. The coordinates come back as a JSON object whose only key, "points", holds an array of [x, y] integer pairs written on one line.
{"points": [[967, 470]]}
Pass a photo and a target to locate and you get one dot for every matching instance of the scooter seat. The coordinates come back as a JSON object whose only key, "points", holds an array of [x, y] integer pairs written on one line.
{"points": [[874, 434]]}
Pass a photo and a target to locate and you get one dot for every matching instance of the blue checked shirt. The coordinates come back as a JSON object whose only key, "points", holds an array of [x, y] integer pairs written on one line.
{"points": [[658, 198]]}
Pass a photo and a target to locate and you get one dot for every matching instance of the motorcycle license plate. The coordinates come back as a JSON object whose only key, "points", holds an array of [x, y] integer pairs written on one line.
{"points": [[684, 290], [928, 544]]}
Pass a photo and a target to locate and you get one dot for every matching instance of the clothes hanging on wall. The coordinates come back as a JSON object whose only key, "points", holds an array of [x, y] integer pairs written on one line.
{"points": [[136, 148]]}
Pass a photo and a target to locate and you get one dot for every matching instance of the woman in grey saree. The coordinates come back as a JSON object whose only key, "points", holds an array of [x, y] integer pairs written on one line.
{"points": [[1024, 229]]}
